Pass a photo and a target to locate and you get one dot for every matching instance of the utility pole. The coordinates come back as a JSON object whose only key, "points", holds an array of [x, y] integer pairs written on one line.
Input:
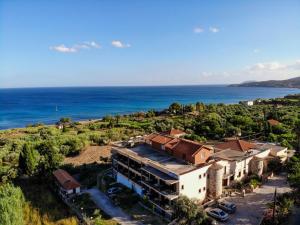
{"points": [[274, 207]]}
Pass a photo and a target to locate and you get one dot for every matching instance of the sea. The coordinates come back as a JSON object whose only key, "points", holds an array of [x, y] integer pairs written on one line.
{"points": [[20, 107]]}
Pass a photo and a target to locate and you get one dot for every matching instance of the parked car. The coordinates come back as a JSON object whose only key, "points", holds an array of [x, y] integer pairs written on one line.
{"points": [[217, 213], [113, 190], [228, 207]]}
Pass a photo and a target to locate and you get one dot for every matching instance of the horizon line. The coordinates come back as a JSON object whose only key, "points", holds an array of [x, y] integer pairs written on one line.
{"points": [[171, 85]]}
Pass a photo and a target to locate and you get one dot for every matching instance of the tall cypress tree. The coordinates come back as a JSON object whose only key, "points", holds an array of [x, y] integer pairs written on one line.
{"points": [[28, 160]]}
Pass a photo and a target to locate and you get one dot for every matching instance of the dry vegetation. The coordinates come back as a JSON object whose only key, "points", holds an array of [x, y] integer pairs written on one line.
{"points": [[90, 155]]}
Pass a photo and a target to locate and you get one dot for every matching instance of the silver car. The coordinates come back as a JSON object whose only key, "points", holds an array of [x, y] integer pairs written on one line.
{"points": [[228, 207], [217, 213]]}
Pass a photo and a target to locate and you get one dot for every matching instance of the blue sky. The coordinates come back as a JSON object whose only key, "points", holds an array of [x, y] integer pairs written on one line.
{"points": [[139, 42]]}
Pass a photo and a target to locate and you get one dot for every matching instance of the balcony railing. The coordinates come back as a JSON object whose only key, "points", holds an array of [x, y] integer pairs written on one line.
{"points": [[161, 205], [163, 189]]}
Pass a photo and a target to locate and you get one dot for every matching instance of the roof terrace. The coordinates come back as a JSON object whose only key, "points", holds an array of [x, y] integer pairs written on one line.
{"points": [[152, 157]]}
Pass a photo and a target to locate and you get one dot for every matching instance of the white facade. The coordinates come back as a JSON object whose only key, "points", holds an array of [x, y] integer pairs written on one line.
{"points": [[129, 183], [238, 169], [194, 184], [65, 192]]}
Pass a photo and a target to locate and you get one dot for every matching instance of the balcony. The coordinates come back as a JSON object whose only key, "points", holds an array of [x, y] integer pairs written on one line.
{"points": [[168, 191], [133, 176], [127, 162], [162, 205]]}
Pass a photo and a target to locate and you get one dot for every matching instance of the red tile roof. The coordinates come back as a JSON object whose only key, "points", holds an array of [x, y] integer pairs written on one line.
{"points": [[187, 146], [150, 136], [65, 179], [161, 139], [172, 143], [173, 132], [273, 122], [238, 145]]}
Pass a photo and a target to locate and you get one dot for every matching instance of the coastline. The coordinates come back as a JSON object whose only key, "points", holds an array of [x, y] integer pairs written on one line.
{"points": [[22, 107]]}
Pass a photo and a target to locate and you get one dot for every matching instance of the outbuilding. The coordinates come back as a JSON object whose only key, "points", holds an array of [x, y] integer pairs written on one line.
{"points": [[66, 183]]}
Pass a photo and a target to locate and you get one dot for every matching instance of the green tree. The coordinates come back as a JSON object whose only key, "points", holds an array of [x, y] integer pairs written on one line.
{"points": [[11, 205], [297, 131], [75, 145], [275, 165], [293, 168], [189, 211], [28, 160], [175, 108], [65, 120], [150, 113], [189, 108], [118, 118], [200, 107], [51, 157]]}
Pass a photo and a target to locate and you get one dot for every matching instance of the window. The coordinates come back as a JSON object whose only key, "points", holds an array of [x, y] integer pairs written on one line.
{"points": [[200, 176], [240, 174], [204, 175], [200, 190], [182, 187], [204, 188], [183, 156], [225, 170]]}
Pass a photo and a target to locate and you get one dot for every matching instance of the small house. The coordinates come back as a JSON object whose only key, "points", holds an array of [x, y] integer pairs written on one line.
{"points": [[67, 185]]}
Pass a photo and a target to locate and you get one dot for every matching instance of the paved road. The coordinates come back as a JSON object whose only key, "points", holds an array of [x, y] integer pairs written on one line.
{"points": [[295, 217], [250, 209], [104, 203]]}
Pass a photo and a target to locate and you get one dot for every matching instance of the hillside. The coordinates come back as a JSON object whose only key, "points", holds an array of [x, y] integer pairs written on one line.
{"points": [[289, 83]]}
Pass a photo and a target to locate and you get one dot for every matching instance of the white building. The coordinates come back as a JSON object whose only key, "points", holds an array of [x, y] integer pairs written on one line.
{"points": [[247, 103], [158, 176], [165, 167], [66, 184]]}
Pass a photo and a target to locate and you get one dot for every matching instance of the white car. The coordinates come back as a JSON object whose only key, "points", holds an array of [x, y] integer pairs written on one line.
{"points": [[217, 213]]}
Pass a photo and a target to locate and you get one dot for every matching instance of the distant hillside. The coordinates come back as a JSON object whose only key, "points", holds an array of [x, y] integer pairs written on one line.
{"points": [[289, 83]]}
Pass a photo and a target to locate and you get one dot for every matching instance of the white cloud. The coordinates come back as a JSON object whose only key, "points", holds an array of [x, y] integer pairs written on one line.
{"points": [[63, 48], [92, 44], [119, 44], [198, 30], [273, 70], [267, 66], [214, 29], [75, 48]]}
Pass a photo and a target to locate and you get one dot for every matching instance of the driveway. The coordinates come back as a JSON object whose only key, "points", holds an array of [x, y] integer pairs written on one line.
{"points": [[104, 203], [250, 208]]}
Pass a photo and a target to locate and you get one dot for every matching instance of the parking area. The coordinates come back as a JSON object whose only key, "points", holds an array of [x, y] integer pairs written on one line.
{"points": [[250, 208]]}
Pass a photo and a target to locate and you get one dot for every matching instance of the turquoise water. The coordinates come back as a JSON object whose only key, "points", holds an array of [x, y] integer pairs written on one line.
{"points": [[22, 106]]}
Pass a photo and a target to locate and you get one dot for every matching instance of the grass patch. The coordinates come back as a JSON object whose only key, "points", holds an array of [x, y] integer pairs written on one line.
{"points": [[43, 206]]}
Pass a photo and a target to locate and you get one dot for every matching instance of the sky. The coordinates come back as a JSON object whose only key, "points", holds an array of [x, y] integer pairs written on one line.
{"points": [[147, 42]]}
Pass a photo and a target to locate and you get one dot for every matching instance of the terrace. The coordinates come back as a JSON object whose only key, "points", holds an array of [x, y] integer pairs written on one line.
{"points": [[160, 182], [162, 204], [145, 155]]}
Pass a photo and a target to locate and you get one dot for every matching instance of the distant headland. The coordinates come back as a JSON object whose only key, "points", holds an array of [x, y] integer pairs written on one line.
{"points": [[289, 83]]}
